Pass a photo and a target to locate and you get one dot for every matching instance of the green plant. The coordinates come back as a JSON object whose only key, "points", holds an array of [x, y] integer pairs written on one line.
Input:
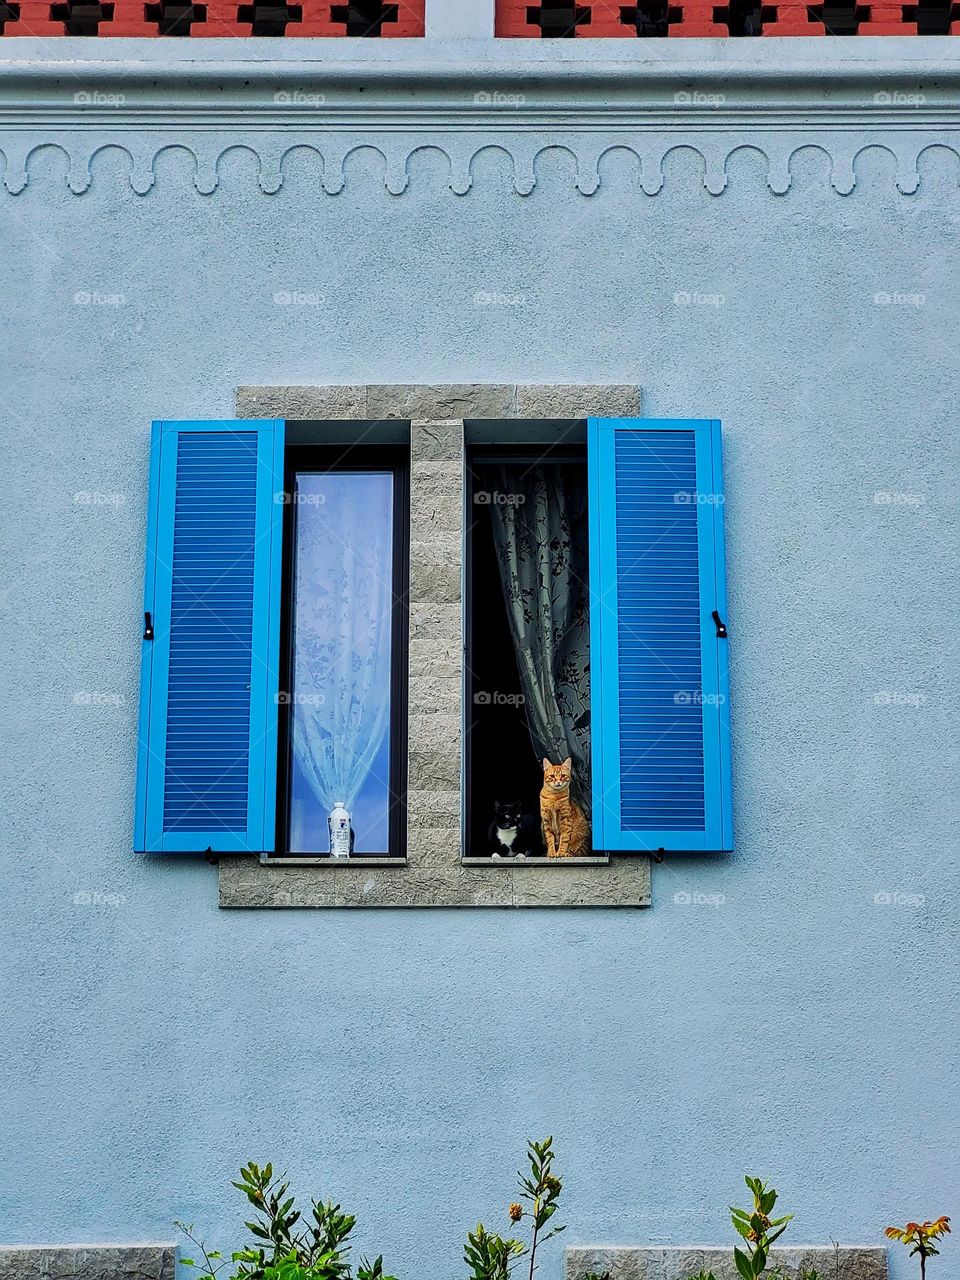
{"points": [[923, 1236], [489, 1256], [596, 1275], [708, 1275], [285, 1247], [758, 1229]]}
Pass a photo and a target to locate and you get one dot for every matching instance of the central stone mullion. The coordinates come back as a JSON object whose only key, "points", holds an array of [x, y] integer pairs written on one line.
{"points": [[434, 830]]}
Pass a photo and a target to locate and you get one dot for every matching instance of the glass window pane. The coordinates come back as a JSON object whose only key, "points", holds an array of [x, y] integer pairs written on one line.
{"points": [[342, 657]]}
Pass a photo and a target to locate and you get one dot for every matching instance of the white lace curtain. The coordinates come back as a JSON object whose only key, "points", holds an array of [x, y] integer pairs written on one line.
{"points": [[343, 630], [540, 530]]}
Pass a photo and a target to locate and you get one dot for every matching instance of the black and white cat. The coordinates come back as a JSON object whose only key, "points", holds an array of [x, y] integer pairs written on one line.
{"points": [[512, 833]]}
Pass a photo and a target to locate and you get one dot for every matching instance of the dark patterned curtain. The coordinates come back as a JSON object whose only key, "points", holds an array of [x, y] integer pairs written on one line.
{"points": [[539, 519]]}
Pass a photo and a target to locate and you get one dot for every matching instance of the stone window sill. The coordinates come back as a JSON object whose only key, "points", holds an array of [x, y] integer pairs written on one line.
{"points": [[357, 863], [600, 860], [334, 864]]}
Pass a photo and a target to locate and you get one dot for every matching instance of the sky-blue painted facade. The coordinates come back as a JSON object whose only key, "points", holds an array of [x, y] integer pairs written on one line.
{"points": [[786, 1010]]}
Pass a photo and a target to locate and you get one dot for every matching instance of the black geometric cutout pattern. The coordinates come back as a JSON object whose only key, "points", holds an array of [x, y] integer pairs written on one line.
{"points": [[933, 17], [745, 17], [651, 18], [840, 17], [558, 19], [82, 18], [269, 19], [175, 19], [365, 17]]}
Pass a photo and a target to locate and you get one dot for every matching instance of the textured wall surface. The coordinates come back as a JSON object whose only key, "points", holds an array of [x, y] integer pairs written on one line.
{"points": [[773, 1011]]}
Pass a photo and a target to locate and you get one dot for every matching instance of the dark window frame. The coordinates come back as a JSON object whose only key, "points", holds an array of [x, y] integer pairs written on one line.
{"points": [[321, 459], [519, 452]]}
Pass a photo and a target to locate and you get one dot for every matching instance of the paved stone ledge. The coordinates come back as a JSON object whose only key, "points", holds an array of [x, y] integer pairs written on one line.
{"points": [[678, 1262], [88, 1262]]}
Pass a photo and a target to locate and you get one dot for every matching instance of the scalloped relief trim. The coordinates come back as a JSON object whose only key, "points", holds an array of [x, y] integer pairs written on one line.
{"points": [[274, 160]]}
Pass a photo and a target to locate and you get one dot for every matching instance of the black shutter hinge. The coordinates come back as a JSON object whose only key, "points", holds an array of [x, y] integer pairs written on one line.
{"points": [[721, 625], [147, 627]]}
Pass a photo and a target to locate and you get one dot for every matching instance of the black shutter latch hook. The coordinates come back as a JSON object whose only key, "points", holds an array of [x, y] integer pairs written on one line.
{"points": [[721, 625], [147, 627]]}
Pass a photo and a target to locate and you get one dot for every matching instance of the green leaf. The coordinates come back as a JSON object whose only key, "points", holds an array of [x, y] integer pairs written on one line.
{"points": [[743, 1264]]}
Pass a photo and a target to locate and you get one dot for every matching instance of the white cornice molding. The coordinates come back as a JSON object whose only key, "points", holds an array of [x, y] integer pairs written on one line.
{"points": [[773, 97], [35, 71]]}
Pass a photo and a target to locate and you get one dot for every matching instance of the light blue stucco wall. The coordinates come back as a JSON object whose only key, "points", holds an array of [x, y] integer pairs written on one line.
{"points": [[791, 1026]]}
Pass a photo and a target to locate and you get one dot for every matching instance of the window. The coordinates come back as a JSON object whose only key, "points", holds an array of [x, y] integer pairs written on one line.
{"points": [[341, 709], [274, 654], [275, 662], [528, 634], [596, 632]]}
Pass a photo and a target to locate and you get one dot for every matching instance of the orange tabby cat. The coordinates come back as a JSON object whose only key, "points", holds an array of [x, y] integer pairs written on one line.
{"points": [[565, 830]]}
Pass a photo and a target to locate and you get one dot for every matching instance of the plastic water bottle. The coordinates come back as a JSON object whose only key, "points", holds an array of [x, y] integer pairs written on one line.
{"points": [[339, 825]]}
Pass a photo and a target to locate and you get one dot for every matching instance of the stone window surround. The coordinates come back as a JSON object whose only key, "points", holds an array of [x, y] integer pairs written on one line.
{"points": [[434, 872]]}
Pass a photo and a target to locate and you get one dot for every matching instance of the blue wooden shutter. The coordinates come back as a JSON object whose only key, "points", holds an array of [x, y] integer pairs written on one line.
{"points": [[207, 763], [659, 688]]}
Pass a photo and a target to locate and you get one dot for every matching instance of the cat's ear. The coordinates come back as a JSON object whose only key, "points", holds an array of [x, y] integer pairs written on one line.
{"points": [[546, 764], [568, 763]]}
